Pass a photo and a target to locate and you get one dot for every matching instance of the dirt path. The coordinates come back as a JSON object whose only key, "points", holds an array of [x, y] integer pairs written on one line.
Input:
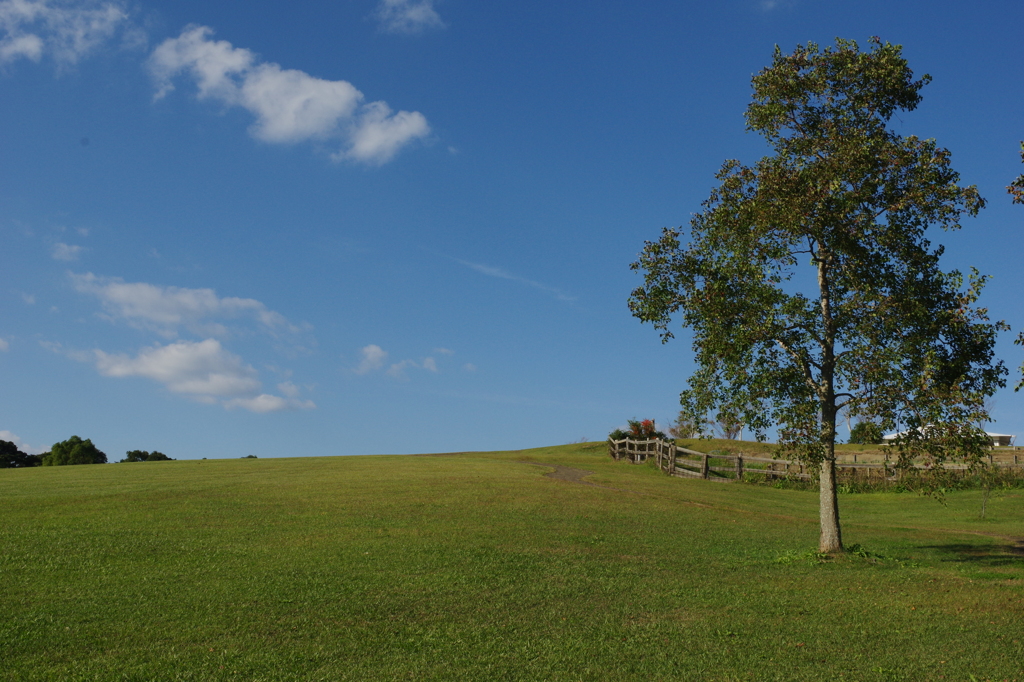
{"points": [[571, 475]]}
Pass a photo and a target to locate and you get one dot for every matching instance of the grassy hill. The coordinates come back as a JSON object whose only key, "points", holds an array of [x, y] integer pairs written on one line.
{"points": [[481, 566], [845, 452]]}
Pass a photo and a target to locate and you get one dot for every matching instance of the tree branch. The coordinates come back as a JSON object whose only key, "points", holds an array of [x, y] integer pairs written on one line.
{"points": [[805, 366]]}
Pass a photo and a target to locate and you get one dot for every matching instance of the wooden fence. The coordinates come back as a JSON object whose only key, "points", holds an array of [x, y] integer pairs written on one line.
{"points": [[726, 468]]}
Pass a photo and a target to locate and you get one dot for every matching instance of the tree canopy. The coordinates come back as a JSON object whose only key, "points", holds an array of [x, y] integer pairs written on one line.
{"points": [[866, 433], [145, 456], [13, 458], [1016, 190], [808, 283], [74, 450]]}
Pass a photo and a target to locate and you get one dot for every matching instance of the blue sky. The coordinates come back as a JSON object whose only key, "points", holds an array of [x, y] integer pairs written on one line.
{"points": [[398, 226]]}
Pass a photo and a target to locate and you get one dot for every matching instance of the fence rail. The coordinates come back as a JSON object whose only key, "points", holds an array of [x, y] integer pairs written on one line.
{"points": [[675, 460]]}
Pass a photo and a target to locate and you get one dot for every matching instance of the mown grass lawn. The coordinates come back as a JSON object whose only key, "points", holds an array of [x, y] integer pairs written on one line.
{"points": [[479, 566]]}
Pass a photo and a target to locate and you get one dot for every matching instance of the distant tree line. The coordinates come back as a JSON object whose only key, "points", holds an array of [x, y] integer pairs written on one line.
{"points": [[144, 456], [13, 458], [74, 450]]}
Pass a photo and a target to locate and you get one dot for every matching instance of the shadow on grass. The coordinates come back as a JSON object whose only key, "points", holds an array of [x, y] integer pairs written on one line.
{"points": [[1008, 555]]}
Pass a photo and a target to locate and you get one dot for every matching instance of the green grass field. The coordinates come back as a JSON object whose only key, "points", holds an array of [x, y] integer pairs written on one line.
{"points": [[479, 566]]}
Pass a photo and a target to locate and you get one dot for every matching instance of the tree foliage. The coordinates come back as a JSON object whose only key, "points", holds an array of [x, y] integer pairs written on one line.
{"points": [[145, 456], [866, 433], [728, 426], [807, 279], [682, 427], [13, 458], [1016, 190], [643, 429], [74, 450]]}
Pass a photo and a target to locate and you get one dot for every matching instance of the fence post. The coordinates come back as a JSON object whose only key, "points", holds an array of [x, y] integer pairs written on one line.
{"points": [[704, 466], [672, 459], [739, 467]]}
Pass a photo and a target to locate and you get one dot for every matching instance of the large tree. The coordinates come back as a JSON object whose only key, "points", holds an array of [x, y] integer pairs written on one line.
{"points": [[807, 280], [74, 450]]}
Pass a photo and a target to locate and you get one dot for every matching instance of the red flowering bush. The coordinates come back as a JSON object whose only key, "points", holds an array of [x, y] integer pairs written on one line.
{"points": [[638, 430]]}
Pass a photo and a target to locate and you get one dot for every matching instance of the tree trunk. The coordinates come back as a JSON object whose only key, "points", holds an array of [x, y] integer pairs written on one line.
{"points": [[831, 537]]}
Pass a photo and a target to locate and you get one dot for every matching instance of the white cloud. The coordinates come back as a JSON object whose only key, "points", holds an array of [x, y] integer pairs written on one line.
{"points": [[19, 443], [444, 351], [4, 345], [264, 403], [408, 16], [29, 299], [165, 309], [64, 31], [289, 105], [374, 358], [202, 368], [397, 370], [59, 349], [289, 389], [502, 274], [378, 134], [469, 367], [66, 252]]}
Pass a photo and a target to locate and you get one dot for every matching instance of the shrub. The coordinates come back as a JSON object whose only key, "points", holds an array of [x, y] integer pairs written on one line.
{"points": [[638, 430], [644, 430]]}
